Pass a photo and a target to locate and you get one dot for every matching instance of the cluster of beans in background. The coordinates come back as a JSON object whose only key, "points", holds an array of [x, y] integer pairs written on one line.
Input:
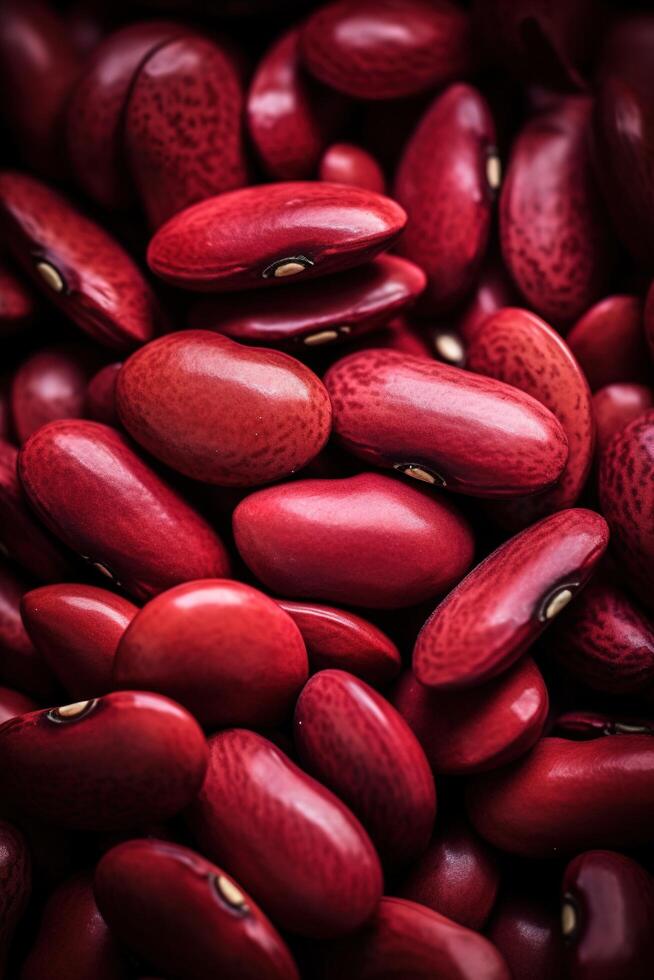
{"points": [[326, 490]]}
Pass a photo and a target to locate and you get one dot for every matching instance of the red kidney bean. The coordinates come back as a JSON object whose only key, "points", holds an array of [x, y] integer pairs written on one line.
{"points": [[21, 664], [478, 729], [615, 406], [596, 724], [527, 933], [608, 342], [105, 503], [607, 641], [224, 650], [606, 917], [17, 306], [344, 163], [345, 734], [446, 182], [51, 384], [13, 703], [554, 238], [405, 939], [564, 796], [38, 67], [506, 602], [385, 49], [337, 638], [73, 941], [493, 291], [77, 629], [457, 876], [113, 763], [444, 426], [310, 315], [101, 395], [222, 412], [184, 915], [259, 236], [183, 139], [290, 116], [287, 839], [625, 490], [330, 539], [21, 535], [519, 348], [15, 884], [81, 268]]}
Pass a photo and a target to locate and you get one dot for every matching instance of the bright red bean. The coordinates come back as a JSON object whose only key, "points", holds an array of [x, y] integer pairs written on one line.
{"points": [[51, 384], [608, 342], [615, 406], [345, 163]]}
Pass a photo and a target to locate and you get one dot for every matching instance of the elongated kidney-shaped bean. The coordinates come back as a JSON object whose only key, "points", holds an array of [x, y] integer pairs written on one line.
{"points": [[500, 608], [222, 412], [267, 235], [565, 796], [287, 839], [331, 539], [105, 503], [113, 763], [445, 426], [15, 884], [184, 915], [609, 344], [615, 406]]}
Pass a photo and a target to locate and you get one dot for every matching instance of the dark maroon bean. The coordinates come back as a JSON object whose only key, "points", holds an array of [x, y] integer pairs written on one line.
{"points": [[17, 305], [13, 703], [582, 725], [21, 664], [101, 395], [608, 342], [15, 884], [527, 932], [51, 384]]}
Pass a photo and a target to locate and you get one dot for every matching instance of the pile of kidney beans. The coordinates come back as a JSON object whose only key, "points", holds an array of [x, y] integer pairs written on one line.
{"points": [[326, 490]]}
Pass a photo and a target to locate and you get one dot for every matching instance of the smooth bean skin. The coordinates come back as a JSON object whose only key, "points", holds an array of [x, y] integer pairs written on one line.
{"points": [[404, 939], [93, 491], [330, 540], [480, 728], [96, 283], [270, 234], [470, 434], [608, 907], [21, 664], [51, 384], [182, 914], [458, 876], [77, 629], [101, 395], [345, 734], [563, 797], [615, 406], [224, 650], [447, 187], [310, 315], [74, 941], [494, 290], [338, 638], [129, 759], [386, 49], [295, 847], [553, 233], [17, 305], [505, 603], [15, 884], [608, 342], [221, 412], [527, 932], [345, 163], [14, 703]]}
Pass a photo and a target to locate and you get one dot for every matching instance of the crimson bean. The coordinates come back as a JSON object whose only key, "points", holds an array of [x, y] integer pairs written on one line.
{"points": [[21, 664], [493, 291], [101, 395], [608, 342], [51, 384], [615, 406], [344, 163], [527, 932], [14, 703]]}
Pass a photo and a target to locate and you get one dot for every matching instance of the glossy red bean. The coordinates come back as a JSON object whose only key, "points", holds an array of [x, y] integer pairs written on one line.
{"points": [[259, 236], [184, 915], [13, 703], [615, 406], [17, 305], [74, 941], [337, 638], [444, 426], [15, 884], [345, 734], [565, 796], [446, 182], [101, 395], [80, 267], [21, 664], [183, 139], [527, 932], [106, 504], [77, 629], [608, 342], [221, 412], [457, 876], [51, 384], [295, 847], [405, 939], [345, 163], [554, 238], [224, 650], [290, 116], [519, 348], [493, 291], [606, 916], [385, 49], [504, 604], [478, 729], [113, 763], [330, 539]]}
